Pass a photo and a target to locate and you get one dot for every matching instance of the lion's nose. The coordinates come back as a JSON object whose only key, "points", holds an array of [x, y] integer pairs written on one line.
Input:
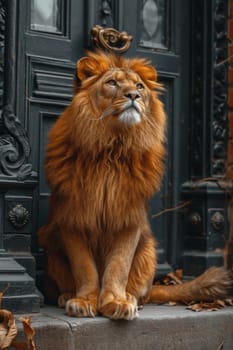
{"points": [[132, 95]]}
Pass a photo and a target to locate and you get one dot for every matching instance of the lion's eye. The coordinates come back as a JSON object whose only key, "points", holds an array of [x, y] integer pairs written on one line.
{"points": [[140, 86], [112, 82]]}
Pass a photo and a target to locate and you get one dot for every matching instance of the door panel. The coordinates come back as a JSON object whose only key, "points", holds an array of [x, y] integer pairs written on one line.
{"points": [[47, 16]]}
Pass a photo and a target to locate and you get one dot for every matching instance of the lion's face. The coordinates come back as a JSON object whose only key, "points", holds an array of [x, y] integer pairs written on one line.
{"points": [[123, 95], [117, 90]]}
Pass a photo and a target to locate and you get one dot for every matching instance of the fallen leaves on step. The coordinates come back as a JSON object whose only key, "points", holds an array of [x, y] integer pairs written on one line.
{"points": [[29, 333], [8, 330], [172, 278], [2, 293], [176, 277], [209, 306]]}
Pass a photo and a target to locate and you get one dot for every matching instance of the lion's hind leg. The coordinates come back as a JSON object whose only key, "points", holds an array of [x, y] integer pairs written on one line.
{"points": [[58, 286], [60, 277]]}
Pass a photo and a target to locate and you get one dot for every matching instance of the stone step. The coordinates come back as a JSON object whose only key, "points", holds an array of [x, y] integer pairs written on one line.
{"points": [[19, 283], [20, 290], [9, 265], [157, 328], [22, 303]]}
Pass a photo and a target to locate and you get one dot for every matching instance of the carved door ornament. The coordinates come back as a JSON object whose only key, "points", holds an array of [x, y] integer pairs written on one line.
{"points": [[14, 143], [110, 39], [217, 221], [18, 216], [14, 147]]}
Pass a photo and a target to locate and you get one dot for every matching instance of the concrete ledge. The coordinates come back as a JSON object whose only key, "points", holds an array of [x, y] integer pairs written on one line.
{"points": [[158, 327]]}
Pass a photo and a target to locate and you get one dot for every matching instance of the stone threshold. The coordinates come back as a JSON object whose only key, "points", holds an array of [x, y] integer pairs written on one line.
{"points": [[157, 328]]}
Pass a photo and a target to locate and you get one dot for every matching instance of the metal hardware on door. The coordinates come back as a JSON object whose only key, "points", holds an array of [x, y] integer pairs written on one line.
{"points": [[18, 216], [195, 218], [217, 221], [110, 39]]}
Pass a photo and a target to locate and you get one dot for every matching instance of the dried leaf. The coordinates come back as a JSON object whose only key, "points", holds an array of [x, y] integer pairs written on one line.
{"points": [[3, 292], [1, 295], [179, 273], [195, 307], [209, 306], [8, 330], [221, 345], [221, 303], [172, 303], [29, 332], [174, 278]]}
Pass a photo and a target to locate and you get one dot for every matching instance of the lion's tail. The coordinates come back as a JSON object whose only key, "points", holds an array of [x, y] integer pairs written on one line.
{"points": [[215, 283]]}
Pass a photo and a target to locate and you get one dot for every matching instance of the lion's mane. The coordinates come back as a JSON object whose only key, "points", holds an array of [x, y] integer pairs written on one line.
{"points": [[101, 175]]}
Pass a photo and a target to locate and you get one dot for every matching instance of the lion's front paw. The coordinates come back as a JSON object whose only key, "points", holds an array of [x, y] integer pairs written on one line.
{"points": [[120, 308], [63, 298], [81, 307]]}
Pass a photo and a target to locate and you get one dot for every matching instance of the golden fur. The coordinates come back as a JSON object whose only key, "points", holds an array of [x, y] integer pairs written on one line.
{"points": [[104, 161]]}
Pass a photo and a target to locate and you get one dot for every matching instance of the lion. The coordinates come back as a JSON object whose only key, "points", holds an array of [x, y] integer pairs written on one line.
{"points": [[105, 159]]}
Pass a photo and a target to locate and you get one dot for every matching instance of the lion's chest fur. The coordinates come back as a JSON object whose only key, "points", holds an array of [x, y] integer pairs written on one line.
{"points": [[110, 191]]}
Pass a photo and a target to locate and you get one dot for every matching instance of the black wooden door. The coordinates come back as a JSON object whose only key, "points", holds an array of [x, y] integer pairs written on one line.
{"points": [[53, 35]]}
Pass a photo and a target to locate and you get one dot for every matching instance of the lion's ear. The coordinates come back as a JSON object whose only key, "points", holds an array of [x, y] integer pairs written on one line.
{"points": [[86, 67], [146, 71], [149, 74]]}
